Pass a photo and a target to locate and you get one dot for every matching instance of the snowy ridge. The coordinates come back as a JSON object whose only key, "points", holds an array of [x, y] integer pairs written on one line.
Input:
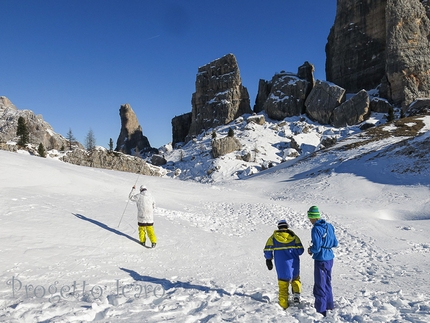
{"points": [[267, 145]]}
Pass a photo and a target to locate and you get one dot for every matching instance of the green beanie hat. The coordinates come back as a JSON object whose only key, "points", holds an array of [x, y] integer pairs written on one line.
{"points": [[313, 213]]}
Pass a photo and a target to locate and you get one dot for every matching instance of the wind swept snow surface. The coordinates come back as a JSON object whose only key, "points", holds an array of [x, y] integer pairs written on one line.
{"points": [[65, 258]]}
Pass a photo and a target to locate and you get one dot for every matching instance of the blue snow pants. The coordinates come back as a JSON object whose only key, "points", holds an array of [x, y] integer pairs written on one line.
{"points": [[322, 286]]}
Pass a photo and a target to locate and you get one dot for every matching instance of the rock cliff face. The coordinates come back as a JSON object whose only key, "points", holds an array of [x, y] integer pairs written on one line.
{"points": [[220, 96], [40, 131], [131, 140], [356, 45], [407, 66], [180, 128], [383, 42]]}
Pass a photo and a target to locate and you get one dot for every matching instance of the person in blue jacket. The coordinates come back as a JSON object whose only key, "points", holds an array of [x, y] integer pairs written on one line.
{"points": [[285, 247], [321, 250]]}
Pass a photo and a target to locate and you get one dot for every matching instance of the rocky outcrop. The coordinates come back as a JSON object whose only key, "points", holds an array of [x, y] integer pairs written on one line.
{"points": [[220, 96], [131, 140], [223, 146], [380, 105], [285, 95], [383, 43], [419, 107], [101, 158], [40, 131], [257, 119], [180, 128], [7, 147], [322, 101], [306, 72], [353, 111], [158, 160], [5, 103]]}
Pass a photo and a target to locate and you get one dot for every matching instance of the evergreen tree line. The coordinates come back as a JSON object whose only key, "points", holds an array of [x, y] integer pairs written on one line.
{"points": [[24, 138]]}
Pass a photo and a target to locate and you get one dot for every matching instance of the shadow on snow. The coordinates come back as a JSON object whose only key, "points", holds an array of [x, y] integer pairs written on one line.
{"points": [[106, 227], [169, 285]]}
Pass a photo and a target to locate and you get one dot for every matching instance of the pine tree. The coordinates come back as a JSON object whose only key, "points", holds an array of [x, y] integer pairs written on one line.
{"points": [[41, 150], [110, 144], [230, 132], [391, 116], [22, 132], [90, 140], [70, 138]]}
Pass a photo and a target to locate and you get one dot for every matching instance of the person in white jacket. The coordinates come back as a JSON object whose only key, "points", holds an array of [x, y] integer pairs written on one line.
{"points": [[145, 214]]}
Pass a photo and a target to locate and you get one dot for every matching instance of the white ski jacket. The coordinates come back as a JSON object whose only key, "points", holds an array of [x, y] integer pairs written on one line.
{"points": [[145, 207]]}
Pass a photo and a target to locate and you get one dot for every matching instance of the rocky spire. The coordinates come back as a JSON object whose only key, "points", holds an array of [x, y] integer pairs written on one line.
{"points": [[131, 139], [220, 96]]}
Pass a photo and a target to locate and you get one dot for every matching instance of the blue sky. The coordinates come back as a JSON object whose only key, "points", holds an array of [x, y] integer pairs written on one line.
{"points": [[76, 61]]}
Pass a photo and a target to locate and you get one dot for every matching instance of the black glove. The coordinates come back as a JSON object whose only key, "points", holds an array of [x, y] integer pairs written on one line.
{"points": [[269, 264]]}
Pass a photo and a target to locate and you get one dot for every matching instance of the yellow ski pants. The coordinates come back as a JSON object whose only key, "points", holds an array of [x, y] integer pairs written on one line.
{"points": [[151, 234], [296, 286]]}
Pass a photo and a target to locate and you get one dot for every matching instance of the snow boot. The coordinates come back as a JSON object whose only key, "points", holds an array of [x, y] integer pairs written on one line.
{"points": [[296, 298]]}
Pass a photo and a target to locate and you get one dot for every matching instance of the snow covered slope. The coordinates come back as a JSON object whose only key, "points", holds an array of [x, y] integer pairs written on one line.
{"points": [[65, 258]]}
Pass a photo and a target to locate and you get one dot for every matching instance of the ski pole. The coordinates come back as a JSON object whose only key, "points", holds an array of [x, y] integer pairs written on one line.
{"points": [[125, 208], [129, 195]]}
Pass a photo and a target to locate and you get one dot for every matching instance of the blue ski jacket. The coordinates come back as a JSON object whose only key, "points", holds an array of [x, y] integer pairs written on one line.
{"points": [[323, 240], [285, 247]]}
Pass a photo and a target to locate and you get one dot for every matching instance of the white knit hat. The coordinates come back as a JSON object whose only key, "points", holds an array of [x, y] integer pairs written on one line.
{"points": [[142, 188]]}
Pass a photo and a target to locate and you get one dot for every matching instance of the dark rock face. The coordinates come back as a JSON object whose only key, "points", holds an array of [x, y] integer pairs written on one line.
{"points": [[180, 128], [380, 105], [383, 42], [306, 72], [158, 160], [355, 52], [131, 139], [264, 88], [220, 96]]}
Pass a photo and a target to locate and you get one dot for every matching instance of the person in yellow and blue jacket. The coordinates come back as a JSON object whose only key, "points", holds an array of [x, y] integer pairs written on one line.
{"points": [[285, 247]]}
